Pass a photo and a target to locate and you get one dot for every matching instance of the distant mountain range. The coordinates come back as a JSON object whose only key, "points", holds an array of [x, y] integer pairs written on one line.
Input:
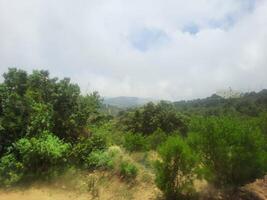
{"points": [[221, 98], [250, 103], [126, 102]]}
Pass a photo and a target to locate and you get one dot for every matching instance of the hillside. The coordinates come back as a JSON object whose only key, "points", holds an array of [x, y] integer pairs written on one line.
{"points": [[126, 102], [250, 104]]}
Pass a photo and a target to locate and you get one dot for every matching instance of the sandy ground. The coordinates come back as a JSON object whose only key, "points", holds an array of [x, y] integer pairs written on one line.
{"points": [[102, 188], [42, 194], [119, 193], [111, 189]]}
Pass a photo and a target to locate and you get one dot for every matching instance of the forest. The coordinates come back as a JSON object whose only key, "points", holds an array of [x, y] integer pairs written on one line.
{"points": [[49, 128]]}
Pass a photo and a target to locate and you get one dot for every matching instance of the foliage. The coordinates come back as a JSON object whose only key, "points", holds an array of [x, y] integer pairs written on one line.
{"points": [[248, 104], [262, 123], [16, 81], [108, 131], [176, 169], [11, 170], [33, 103], [85, 146], [89, 106], [40, 119], [156, 139], [135, 142], [99, 160], [65, 110], [233, 149], [14, 119], [150, 117], [40, 154], [128, 170]]}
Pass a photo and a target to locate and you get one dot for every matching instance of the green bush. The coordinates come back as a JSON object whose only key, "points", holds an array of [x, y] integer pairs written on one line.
{"points": [[156, 139], [98, 141], [84, 146], [233, 149], [41, 154], [109, 130], [176, 169], [135, 142], [99, 160], [11, 170], [128, 170]]}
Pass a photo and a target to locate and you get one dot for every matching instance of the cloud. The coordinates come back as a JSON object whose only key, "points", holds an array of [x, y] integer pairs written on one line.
{"points": [[191, 28], [145, 39], [150, 48]]}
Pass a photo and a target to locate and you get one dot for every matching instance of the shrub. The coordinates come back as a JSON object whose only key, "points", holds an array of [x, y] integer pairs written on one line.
{"points": [[156, 138], [11, 170], [41, 154], [234, 150], [98, 142], [84, 146], [106, 130], [135, 142], [177, 169], [99, 159], [128, 170]]}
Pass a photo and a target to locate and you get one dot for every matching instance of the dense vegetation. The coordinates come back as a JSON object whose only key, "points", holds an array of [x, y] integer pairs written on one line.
{"points": [[47, 126], [41, 118]]}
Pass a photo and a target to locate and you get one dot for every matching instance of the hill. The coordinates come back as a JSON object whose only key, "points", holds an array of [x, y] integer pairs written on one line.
{"points": [[250, 104], [126, 102]]}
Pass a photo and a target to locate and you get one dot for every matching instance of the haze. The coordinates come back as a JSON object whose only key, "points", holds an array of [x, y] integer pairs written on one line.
{"points": [[167, 49]]}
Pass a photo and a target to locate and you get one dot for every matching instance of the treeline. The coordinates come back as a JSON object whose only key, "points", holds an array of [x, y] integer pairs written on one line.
{"points": [[47, 126], [250, 104]]}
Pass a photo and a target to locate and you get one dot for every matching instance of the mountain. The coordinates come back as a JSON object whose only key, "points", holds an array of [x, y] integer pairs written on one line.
{"points": [[126, 102], [251, 104]]}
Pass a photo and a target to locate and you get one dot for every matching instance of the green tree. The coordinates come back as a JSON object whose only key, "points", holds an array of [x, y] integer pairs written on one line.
{"points": [[16, 81], [14, 119], [150, 117], [31, 104], [156, 139], [14, 110], [40, 120], [135, 142], [176, 169], [65, 109], [88, 109], [233, 149], [41, 87]]}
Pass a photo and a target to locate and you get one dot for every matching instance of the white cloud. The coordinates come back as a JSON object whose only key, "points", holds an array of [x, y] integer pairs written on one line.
{"points": [[92, 42]]}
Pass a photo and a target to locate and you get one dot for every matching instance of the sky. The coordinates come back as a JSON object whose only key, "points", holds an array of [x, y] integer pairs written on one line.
{"points": [[161, 49]]}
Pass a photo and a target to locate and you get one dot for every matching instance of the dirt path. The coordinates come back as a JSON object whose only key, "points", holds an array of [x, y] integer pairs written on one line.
{"points": [[112, 189], [120, 193], [42, 194]]}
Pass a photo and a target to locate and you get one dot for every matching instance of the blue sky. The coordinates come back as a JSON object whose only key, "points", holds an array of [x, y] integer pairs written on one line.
{"points": [[169, 49], [147, 38], [191, 28]]}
